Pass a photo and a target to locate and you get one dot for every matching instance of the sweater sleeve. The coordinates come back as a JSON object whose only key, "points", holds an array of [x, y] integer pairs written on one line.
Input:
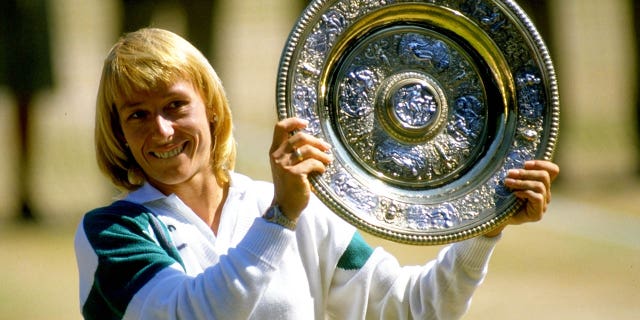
{"points": [[381, 289], [126, 273]]}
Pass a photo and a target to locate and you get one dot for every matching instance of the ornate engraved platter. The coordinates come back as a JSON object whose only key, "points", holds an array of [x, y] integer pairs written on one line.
{"points": [[427, 105]]}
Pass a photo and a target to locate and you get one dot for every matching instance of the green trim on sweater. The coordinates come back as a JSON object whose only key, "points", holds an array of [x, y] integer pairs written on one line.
{"points": [[356, 255], [132, 246]]}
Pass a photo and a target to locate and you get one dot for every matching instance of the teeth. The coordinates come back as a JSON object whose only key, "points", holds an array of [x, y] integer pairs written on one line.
{"points": [[169, 154]]}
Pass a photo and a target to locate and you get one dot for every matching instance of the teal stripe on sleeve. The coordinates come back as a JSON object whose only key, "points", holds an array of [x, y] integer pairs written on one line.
{"points": [[130, 252], [356, 255]]}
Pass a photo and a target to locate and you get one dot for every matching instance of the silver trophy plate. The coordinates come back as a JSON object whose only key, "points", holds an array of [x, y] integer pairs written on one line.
{"points": [[427, 105]]}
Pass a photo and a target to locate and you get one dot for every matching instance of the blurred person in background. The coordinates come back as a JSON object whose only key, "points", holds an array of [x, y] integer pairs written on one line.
{"points": [[192, 239], [199, 19], [636, 106], [26, 70]]}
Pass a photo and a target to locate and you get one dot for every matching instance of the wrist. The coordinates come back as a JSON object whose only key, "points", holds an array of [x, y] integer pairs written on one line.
{"points": [[275, 215]]}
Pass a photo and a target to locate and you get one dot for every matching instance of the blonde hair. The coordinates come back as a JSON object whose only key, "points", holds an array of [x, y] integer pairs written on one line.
{"points": [[141, 62]]}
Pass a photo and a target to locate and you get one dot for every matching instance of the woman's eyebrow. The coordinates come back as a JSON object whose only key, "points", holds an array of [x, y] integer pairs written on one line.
{"points": [[129, 105]]}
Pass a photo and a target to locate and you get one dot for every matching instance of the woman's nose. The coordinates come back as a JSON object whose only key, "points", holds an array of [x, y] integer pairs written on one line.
{"points": [[164, 126]]}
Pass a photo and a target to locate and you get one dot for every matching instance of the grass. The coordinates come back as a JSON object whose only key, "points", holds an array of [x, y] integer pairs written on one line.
{"points": [[39, 278]]}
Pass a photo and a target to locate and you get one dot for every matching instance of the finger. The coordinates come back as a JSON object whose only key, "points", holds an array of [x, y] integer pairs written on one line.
{"points": [[551, 168], [530, 175], [283, 129], [309, 166], [527, 178], [301, 139], [535, 206], [526, 185], [529, 190], [312, 151]]}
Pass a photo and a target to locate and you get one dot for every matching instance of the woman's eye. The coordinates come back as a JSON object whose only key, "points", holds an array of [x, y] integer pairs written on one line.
{"points": [[176, 104], [137, 115]]}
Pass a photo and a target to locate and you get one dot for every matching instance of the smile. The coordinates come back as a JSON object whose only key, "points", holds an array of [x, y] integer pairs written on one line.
{"points": [[169, 154]]}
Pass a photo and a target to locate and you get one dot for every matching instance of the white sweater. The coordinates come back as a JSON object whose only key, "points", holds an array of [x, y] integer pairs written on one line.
{"points": [[253, 269]]}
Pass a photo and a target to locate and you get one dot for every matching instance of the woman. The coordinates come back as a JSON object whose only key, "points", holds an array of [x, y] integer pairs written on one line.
{"points": [[194, 240]]}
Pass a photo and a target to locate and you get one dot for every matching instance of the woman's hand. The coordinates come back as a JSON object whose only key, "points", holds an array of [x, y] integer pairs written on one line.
{"points": [[533, 185], [293, 156]]}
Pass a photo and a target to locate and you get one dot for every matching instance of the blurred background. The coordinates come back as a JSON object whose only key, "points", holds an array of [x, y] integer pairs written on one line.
{"points": [[581, 262]]}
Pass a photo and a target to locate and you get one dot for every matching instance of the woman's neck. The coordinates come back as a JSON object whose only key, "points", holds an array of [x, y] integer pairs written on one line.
{"points": [[204, 195]]}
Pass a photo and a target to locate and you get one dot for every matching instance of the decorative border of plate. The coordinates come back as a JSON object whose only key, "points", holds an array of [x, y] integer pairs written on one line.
{"points": [[427, 104]]}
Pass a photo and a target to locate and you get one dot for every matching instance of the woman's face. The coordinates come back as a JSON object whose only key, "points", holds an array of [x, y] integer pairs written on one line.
{"points": [[168, 134]]}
